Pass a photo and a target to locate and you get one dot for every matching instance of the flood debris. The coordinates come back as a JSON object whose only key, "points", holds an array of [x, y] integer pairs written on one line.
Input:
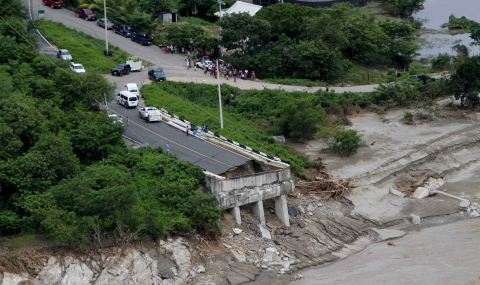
{"points": [[320, 183]]}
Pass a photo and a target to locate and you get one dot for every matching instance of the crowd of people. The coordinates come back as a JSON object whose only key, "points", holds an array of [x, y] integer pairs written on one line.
{"points": [[208, 64]]}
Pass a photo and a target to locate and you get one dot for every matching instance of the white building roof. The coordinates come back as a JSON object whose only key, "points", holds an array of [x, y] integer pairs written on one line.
{"points": [[241, 7]]}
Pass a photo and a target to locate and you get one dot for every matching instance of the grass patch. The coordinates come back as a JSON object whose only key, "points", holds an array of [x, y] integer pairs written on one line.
{"points": [[84, 48], [294, 81], [197, 21], [18, 243], [203, 109]]}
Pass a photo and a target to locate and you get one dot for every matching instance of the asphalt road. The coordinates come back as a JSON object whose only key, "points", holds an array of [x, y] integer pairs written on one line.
{"points": [[207, 155], [174, 65]]}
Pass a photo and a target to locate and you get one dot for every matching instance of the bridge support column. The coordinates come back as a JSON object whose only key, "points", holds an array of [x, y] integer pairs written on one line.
{"points": [[235, 211], [281, 209], [258, 211]]}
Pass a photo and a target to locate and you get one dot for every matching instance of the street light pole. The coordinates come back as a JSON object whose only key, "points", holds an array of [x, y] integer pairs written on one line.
{"points": [[218, 68], [106, 25]]}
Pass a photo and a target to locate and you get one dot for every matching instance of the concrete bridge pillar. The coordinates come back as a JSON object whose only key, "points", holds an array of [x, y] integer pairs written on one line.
{"points": [[281, 209], [258, 211], [235, 211]]}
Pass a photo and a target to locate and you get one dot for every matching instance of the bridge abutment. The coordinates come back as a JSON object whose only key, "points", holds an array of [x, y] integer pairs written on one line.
{"points": [[254, 189]]}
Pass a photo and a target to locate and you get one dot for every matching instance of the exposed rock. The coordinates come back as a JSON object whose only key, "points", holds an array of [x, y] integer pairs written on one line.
{"points": [[239, 256], [253, 227], [474, 214], [265, 232], [416, 220], [180, 255], [236, 279], [77, 273], [464, 204], [311, 207], [301, 210], [200, 269], [13, 279], [292, 211], [421, 193], [51, 273], [396, 193], [434, 183], [237, 231], [385, 234], [300, 223]]}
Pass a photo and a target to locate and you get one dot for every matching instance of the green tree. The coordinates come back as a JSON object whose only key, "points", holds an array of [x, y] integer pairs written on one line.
{"points": [[96, 138], [285, 19], [465, 82], [13, 8], [190, 35], [345, 142], [243, 32], [301, 119], [407, 7], [140, 22]]}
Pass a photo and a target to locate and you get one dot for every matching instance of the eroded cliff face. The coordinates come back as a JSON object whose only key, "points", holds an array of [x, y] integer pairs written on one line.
{"points": [[169, 262]]}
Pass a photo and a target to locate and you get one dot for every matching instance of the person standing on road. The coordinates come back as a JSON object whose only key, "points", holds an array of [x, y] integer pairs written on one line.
{"points": [[327, 87], [168, 147], [253, 75], [188, 129], [264, 85], [128, 121]]}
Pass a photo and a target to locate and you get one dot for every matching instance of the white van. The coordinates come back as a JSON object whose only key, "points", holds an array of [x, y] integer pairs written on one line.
{"points": [[132, 87], [127, 99]]}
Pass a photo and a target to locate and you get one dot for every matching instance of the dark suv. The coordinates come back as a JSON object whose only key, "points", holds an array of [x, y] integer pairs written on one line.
{"points": [[423, 77], [156, 74], [122, 29], [142, 38], [121, 69]]}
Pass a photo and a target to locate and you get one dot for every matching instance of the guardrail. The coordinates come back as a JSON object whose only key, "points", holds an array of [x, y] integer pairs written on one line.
{"points": [[182, 124]]}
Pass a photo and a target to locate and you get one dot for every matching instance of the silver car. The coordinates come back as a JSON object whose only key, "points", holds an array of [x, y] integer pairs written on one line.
{"points": [[64, 54], [101, 23]]}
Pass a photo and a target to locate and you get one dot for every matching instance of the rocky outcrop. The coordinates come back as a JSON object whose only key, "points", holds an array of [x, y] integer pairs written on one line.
{"points": [[170, 263]]}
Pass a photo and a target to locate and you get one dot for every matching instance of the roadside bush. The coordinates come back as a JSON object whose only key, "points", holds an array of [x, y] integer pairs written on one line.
{"points": [[403, 92], [442, 62], [408, 118], [11, 223], [345, 142]]}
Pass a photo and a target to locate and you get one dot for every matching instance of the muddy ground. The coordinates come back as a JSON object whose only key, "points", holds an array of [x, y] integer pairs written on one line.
{"points": [[394, 155]]}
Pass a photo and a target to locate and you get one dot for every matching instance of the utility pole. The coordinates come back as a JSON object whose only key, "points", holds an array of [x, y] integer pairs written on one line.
{"points": [[218, 67]]}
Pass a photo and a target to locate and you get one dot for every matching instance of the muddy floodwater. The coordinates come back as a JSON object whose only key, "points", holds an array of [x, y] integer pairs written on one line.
{"points": [[436, 13]]}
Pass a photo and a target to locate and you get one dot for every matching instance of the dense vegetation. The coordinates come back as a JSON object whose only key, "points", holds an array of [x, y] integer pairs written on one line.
{"points": [[64, 168], [296, 41]]}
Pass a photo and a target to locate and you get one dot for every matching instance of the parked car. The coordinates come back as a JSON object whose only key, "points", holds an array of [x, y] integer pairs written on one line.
{"points": [[150, 114], [77, 67], [116, 119], [87, 14], [53, 3], [64, 54], [423, 78], [142, 38], [207, 63], [132, 87], [122, 29], [156, 74], [121, 69], [101, 23]]}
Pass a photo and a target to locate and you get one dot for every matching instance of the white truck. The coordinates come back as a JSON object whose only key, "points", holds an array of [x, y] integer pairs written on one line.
{"points": [[150, 114], [136, 63]]}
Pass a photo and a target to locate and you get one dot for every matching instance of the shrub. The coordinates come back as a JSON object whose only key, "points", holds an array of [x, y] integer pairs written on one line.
{"points": [[345, 142], [408, 118], [442, 62]]}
